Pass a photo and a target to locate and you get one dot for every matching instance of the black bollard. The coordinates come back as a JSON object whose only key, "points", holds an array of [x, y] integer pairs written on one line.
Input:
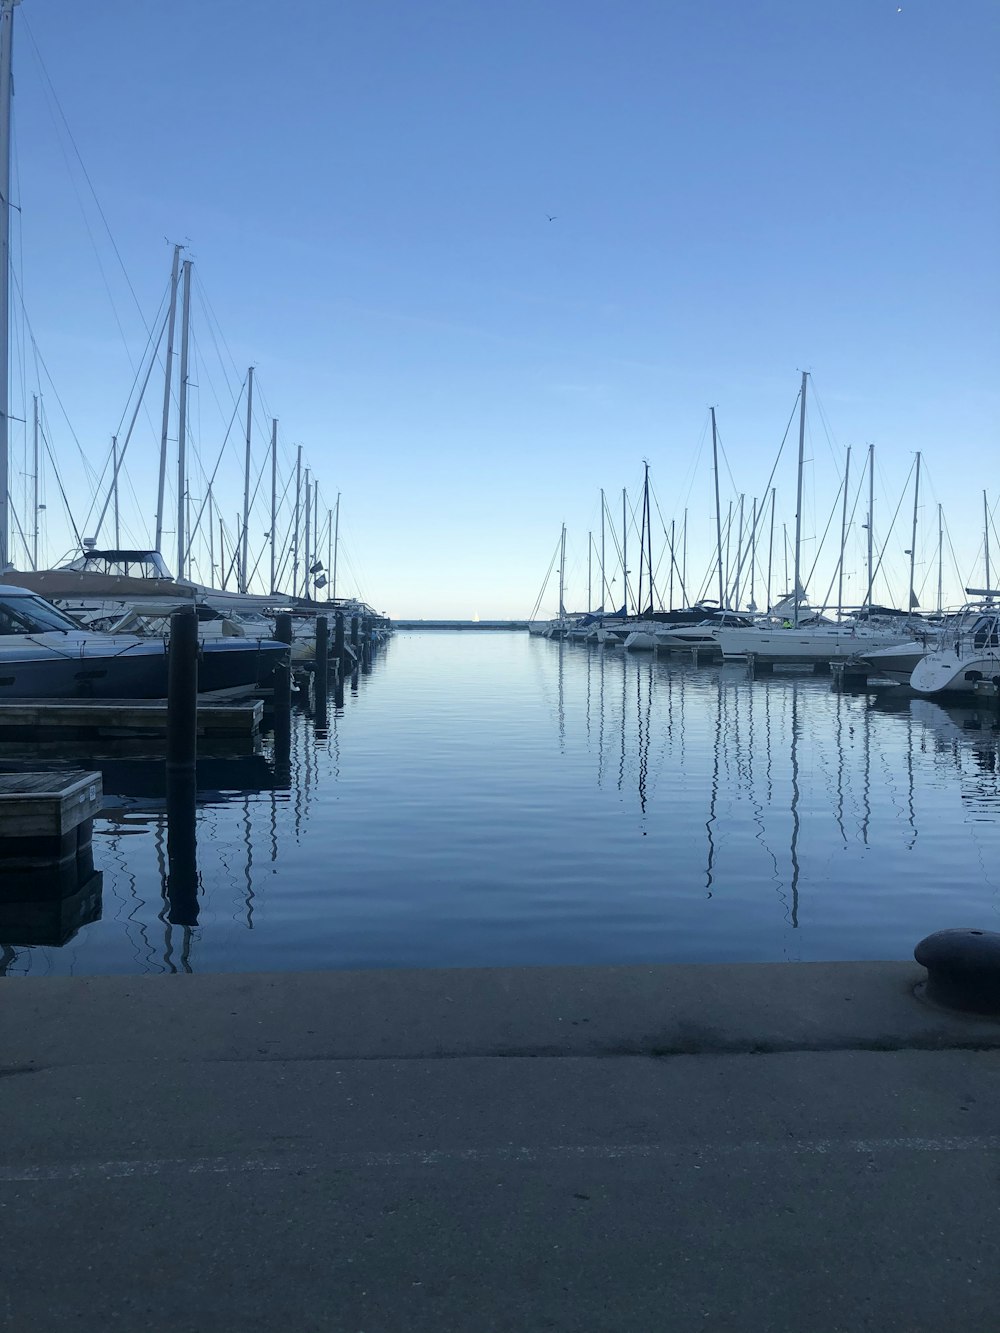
{"points": [[963, 969], [338, 640], [355, 624], [182, 692]]}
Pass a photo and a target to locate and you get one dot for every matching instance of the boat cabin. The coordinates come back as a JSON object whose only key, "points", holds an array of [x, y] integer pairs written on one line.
{"points": [[121, 563]]}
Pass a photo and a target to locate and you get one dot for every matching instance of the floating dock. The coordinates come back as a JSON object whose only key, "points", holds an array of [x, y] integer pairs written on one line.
{"points": [[85, 719]]}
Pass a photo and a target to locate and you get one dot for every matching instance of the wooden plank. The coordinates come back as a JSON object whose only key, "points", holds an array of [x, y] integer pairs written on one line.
{"points": [[48, 805], [126, 715]]}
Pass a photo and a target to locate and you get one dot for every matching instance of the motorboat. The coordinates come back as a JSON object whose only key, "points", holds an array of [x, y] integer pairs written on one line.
{"points": [[967, 657], [46, 654]]}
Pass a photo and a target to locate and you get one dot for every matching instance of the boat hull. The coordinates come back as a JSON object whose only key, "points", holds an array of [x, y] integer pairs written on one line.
{"points": [[947, 673], [100, 667]]}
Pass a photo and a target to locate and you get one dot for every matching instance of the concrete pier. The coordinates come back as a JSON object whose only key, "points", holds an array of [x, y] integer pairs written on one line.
{"points": [[744, 1148]]}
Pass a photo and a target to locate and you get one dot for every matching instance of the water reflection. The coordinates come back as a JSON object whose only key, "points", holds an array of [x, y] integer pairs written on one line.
{"points": [[476, 799]]}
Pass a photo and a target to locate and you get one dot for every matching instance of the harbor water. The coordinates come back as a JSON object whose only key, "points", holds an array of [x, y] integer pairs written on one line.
{"points": [[488, 798]]}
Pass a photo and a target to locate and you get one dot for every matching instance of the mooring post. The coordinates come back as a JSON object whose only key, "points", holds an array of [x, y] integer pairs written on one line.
{"points": [[322, 655], [338, 642], [182, 692], [182, 758], [283, 627], [355, 625]]}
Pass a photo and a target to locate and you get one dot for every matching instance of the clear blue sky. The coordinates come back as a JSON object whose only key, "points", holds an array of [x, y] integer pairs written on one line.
{"points": [[743, 189]]}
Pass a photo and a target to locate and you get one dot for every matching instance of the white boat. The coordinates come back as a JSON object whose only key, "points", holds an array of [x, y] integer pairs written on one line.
{"points": [[804, 644], [968, 657]]}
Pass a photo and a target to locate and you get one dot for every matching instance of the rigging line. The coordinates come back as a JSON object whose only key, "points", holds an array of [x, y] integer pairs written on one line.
{"points": [[27, 319], [822, 540], [831, 443], [210, 311], [62, 491], [109, 459], [83, 167], [902, 496], [17, 524], [211, 482]]}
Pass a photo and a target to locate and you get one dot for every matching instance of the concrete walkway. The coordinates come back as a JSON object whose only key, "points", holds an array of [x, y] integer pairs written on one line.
{"points": [[796, 1147]]}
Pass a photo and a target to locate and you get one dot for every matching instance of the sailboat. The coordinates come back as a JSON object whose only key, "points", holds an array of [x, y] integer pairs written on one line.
{"points": [[801, 636]]}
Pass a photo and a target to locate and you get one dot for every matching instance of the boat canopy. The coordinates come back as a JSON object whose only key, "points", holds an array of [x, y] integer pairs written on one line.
{"points": [[133, 564]]}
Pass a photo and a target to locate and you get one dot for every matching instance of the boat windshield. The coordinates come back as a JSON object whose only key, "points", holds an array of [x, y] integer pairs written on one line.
{"points": [[32, 615]]}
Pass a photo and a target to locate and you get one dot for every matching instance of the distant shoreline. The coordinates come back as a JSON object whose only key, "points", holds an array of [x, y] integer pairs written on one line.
{"points": [[460, 624]]}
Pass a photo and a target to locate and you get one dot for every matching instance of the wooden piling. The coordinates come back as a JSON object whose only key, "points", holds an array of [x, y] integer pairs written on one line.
{"points": [[322, 655], [182, 692]]}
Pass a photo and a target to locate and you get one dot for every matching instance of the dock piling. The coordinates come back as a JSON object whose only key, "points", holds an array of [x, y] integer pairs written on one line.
{"points": [[182, 692]]}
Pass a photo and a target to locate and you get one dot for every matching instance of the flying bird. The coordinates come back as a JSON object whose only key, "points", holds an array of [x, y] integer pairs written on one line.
{"points": [[552, 216]]}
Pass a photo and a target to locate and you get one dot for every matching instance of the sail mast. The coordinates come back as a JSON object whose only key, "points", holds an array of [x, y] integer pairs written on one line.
{"points": [[245, 543], [871, 523], [843, 537], [306, 576], [604, 579], [798, 495], [986, 539], [336, 543], [718, 509], [913, 537], [34, 476], [625, 546], [274, 501], [167, 372], [562, 577], [6, 87], [298, 510], [940, 558], [182, 421], [114, 464]]}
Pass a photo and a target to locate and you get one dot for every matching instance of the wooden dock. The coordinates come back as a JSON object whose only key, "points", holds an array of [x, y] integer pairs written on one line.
{"points": [[86, 719], [47, 805]]}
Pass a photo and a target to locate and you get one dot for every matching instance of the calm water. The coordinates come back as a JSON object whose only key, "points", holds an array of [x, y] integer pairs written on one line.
{"points": [[488, 798]]}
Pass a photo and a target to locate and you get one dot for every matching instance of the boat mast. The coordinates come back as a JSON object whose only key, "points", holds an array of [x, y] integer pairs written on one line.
{"points": [[245, 543], [871, 523], [718, 509], [306, 576], [625, 547], [114, 464], [753, 552], [336, 543], [913, 603], [986, 541], [843, 537], [274, 500], [315, 530], [562, 577], [770, 548], [34, 476], [6, 51], [329, 546], [684, 560], [604, 577], [167, 372], [298, 509], [590, 586], [640, 608], [182, 420], [672, 526], [739, 558], [798, 494], [940, 558]]}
